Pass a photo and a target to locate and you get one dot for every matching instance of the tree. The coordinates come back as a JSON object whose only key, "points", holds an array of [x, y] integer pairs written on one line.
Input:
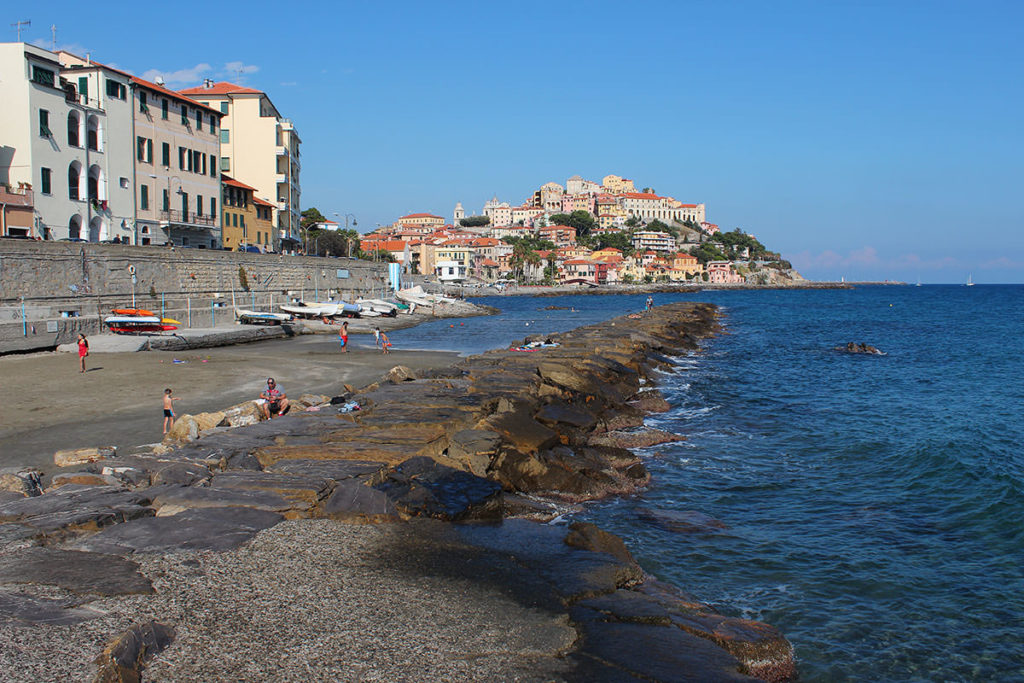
{"points": [[579, 219], [633, 222], [709, 252], [521, 257], [310, 217], [475, 221], [615, 240], [658, 226], [334, 242]]}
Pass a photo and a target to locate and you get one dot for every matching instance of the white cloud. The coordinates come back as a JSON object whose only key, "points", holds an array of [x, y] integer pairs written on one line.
{"points": [[289, 84], [238, 69], [181, 77], [74, 48]]}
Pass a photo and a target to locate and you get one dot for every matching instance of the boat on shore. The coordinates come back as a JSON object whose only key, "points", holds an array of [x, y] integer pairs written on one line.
{"points": [[248, 317], [377, 307], [131, 324], [416, 295], [311, 310]]}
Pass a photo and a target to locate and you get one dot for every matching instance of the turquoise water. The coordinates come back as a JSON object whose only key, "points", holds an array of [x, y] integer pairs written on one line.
{"points": [[873, 506]]}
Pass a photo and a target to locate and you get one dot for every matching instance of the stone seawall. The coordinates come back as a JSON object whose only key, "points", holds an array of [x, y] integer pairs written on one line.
{"points": [[208, 568], [51, 291]]}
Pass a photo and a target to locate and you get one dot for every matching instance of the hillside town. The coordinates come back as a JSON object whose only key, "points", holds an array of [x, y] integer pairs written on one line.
{"points": [[91, 153], [584, 232]]}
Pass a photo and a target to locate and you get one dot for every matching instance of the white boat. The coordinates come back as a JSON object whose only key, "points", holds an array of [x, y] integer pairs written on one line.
{"points": [[260, 317], [416, 295], [344, 307], [312, 310], [377, 307], [970, 282]]}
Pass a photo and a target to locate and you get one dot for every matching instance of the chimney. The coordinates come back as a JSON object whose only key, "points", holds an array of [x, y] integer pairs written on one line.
{"points": [[208, 83], [159, 80]]}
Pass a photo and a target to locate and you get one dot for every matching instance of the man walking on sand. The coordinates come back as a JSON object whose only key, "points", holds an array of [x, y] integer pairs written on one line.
{"points": [[169, 410]]}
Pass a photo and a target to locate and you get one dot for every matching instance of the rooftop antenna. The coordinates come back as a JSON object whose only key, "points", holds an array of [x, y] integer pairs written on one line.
{"points": [[18, 25], [53, 33]]}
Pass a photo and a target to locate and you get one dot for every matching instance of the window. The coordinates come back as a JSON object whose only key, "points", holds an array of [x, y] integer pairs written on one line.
{"points": [[42, 76], [164, 108], [184, 115], [144, 149], [225, 135], [199, 120], [181, 158], [45, 180], [83, 88], [115, 89], [224, 107], [203, 157], [213, 123], [213, 165], [184, 206], [167, 200], [234, 219], [213, 206], [44, 123], [73, 138], [199, 158], [241, 221], [165, 154], [73, 180], [143, 102], [225, 164], [199, 204], [144, 197]]}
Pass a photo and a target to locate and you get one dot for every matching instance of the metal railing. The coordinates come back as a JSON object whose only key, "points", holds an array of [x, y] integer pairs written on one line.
{"points": [[192, 218]]}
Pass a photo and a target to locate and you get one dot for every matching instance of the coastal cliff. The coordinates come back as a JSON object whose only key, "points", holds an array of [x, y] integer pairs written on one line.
{"points": [[199, 546]]}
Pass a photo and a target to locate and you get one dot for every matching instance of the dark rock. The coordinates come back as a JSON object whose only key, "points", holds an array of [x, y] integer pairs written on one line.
{"points": [[683, 521], [298, 488], [658, 653], [422, 487], [651, 402], [860, 348], [762, 649], [399, 374], [8, 496], [523, 432], [475, 448], [9, 533], [124, 658], [18, 609], [354, 501], [556, 413], [590, 537], [78, 572], [83, 479], [641, 438], [333, 470], [73, 508], [197, 529], [180, 473], [628, 605]]}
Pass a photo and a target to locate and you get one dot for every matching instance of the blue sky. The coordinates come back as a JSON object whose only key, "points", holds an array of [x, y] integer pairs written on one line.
{"points": [[869, 140]]}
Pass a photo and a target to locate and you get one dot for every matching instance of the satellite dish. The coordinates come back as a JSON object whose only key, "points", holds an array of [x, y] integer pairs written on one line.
{"points": [[159, 80]]}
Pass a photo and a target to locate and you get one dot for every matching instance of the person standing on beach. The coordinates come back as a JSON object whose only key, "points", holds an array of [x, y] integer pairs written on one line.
{"points": [[83, 351], [376, 336], [343, 337], [650, 302], [169, 409], [385, 343]]}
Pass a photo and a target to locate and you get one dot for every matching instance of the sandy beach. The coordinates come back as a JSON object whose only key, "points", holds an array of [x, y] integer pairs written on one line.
{"points": [[49, 405]]}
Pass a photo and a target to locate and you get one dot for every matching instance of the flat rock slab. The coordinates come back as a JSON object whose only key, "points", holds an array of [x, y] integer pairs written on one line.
{"points": [[25, 610], [353, 501], [198, 529], [640, 438], [421, 487], [296, 487], [333, 470], [124, 658], [218, 497], [76, 571], [73, 508]]}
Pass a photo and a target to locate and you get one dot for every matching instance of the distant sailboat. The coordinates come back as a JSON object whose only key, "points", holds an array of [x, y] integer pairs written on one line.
{"points": [[970, 282]]}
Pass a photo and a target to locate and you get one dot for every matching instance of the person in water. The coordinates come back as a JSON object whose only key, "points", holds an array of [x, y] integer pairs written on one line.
{"points": [[83, 351], [343, 337]]}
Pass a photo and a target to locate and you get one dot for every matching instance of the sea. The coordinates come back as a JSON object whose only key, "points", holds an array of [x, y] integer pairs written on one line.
{"points": [[870, 507]]}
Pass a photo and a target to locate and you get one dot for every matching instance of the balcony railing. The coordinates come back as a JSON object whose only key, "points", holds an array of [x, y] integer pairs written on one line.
{"points": [[195, 219]]}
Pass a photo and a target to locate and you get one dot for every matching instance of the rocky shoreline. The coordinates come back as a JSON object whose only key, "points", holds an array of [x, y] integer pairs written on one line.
{"points": [[121, 566]]}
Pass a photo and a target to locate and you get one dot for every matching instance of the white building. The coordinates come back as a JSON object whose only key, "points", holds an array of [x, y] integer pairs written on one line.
{"points": [[655, 241], [53, 140], [450, 271], [106, 90]]}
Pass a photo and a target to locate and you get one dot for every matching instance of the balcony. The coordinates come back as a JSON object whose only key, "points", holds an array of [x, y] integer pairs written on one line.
{"points": [[188, 220]]}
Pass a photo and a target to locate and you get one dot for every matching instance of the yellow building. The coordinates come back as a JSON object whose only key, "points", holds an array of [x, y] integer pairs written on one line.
{"points": [[617, 185], [246, 220]]}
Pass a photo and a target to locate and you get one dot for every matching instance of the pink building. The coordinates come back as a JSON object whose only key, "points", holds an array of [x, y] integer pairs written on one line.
{"points": [[561, 235], [721, 272], [578, 202]]}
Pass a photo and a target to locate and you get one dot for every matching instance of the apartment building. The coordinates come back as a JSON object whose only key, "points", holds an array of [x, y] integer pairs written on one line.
{"points": [[500, 213], [651, 240], [260, 148], [617, 185], [54, 145], [246, 220], [177, 143]]}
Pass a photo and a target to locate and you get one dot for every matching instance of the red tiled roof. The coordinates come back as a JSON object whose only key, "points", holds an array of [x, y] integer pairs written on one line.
{"points": [[178, 96], [222, 88], [640, 195], [420, 215], [261, 202], [235, 183], [488, 262]]}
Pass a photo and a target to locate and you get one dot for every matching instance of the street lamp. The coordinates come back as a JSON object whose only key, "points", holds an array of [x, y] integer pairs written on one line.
{"points": [[348, 239]]}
